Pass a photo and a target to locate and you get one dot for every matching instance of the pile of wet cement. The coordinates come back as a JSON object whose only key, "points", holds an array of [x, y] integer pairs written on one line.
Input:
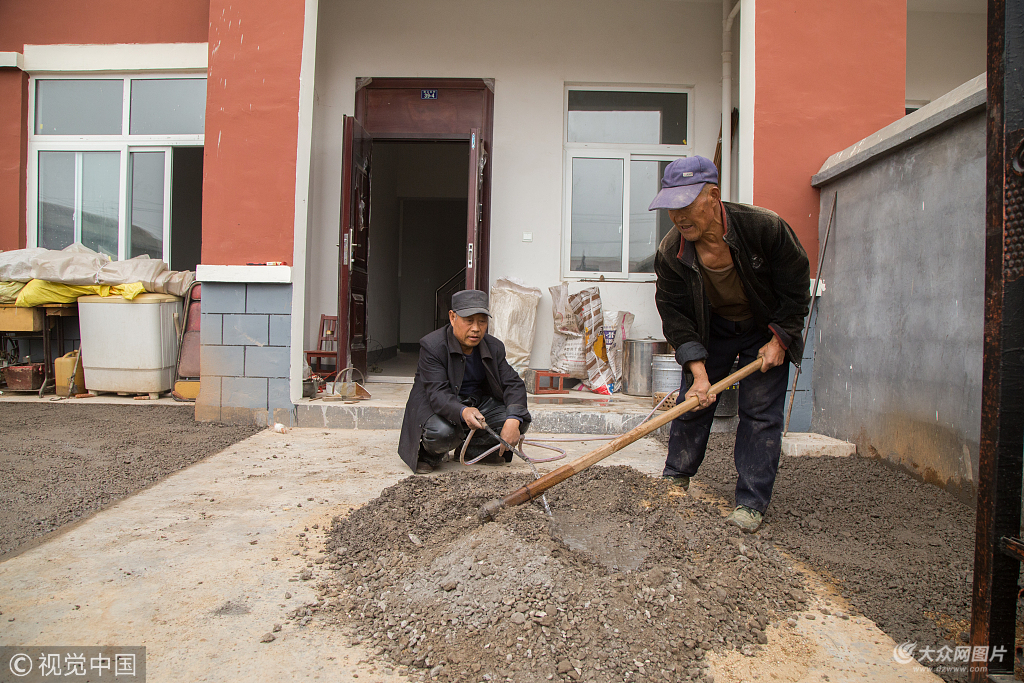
{"points": [[628, 582]]}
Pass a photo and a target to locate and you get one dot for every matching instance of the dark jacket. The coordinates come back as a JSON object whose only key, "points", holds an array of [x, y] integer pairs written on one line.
{"points": [[439, 374], [772, 266]]}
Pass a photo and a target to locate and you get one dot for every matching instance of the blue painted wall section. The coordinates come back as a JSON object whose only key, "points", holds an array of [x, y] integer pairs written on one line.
{"points": [[245, 351], [800, 421]]}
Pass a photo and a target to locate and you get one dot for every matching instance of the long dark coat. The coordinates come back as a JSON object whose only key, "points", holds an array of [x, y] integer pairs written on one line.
{"points": [[439, 374]]}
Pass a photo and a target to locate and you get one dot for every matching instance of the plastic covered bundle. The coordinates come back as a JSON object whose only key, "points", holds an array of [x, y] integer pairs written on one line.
{"points": [[513, 306], [77, 265]]}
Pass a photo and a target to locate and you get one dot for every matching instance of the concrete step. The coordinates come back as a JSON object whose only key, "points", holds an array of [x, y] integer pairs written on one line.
{"points": [[574, 413]]}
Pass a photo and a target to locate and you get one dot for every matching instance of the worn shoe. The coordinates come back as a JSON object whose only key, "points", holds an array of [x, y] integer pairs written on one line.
{"points": [[745, 518], [679, 480], [423, 467]]}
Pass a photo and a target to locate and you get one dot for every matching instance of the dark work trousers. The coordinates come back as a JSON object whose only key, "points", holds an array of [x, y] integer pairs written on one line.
{"points": [[441, 436], [762, 396]]}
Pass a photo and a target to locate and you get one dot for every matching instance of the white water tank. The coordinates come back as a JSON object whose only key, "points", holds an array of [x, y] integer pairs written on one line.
{"points": [[129, 346]]}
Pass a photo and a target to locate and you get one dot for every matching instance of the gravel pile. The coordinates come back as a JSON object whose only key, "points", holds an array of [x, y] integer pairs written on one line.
{"points": [[627, 582]]}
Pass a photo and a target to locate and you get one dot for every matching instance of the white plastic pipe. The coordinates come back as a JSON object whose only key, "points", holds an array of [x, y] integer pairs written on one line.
{"points": [[728, 15]]}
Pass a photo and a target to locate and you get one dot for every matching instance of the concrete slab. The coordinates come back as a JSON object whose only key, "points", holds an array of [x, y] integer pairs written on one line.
{"points": [[198, 567], [577, 412], [33, 397], [797, 444]]}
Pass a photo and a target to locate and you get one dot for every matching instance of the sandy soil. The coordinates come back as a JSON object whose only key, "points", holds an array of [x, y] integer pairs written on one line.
{"points": [[61, 462]]}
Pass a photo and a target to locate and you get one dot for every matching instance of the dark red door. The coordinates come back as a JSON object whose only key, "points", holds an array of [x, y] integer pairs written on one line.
{"points": [[476, 253], [353, 244]]}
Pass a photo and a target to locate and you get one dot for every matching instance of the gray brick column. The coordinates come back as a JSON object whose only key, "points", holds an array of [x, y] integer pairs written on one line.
{"points": [[245, 348]]}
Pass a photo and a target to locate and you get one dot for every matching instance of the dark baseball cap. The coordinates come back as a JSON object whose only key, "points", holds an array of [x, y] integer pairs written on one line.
{"points": [[684, 179], [469, 301]]}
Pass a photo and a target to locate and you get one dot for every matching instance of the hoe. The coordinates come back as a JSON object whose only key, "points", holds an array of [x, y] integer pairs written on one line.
{"points": [[537, 487]]}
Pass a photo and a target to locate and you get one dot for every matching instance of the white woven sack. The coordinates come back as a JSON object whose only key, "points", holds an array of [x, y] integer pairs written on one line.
{"points": [[513, 306]]}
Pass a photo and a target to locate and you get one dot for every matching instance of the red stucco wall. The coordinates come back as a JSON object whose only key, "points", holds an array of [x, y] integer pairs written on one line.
{"points": [[828, 74], [252, 106], [13, 148], [52, 22]]}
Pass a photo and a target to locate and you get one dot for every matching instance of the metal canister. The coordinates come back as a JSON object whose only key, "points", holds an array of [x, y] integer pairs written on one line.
{"points": [[666, 373], [637, 361]]}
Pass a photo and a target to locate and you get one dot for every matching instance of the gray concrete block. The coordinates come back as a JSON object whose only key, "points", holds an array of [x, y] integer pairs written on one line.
{"points": [[211, 328], [278, 394], [246, 330], [285, 416], [266, 298], [310, 415], [267, 361], [339, 417], [379, 418], [223, 297], [244, 392], [221, 361], [280, 330]]}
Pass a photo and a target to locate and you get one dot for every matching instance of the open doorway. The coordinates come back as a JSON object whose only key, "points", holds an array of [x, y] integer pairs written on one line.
{"points": [[424, 127], [417, 249]]}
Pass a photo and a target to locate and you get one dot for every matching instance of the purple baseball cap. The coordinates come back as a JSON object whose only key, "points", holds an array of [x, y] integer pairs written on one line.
{"points": [[683, 181]]}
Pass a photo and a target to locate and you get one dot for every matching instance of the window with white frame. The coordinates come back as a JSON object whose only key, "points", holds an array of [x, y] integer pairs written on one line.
{"points": [[102, 157], [617, 144]]}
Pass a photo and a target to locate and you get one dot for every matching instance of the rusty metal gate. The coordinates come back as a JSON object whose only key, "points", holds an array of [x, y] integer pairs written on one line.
{"points": [[999, 550]]}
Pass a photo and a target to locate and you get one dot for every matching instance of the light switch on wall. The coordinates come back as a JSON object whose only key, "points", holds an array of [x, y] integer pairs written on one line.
{"points": [[527, 236]]}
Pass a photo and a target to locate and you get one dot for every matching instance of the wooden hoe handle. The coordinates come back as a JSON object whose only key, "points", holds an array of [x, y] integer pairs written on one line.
{"points": [[539, 486]]}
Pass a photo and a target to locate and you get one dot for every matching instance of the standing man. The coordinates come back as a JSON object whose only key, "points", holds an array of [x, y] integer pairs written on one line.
{"points": [[462, 382], [732, 281]]}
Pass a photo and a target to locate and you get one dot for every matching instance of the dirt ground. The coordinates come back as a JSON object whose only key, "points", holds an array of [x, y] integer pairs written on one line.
{"points": [[61, 462], [899, 550], [630, 581]]}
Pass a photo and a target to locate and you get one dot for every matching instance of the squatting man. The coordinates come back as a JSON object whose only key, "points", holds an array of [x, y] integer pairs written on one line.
{"points": [[732, 280], [463, 382]]}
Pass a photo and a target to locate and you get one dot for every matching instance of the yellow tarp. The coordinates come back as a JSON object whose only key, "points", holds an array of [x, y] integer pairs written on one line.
{"points": [[9, 291], [39, 292]]}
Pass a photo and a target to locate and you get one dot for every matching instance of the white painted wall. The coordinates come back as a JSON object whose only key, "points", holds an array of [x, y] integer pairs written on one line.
{"points": [[532, 49], [944, 50]]}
